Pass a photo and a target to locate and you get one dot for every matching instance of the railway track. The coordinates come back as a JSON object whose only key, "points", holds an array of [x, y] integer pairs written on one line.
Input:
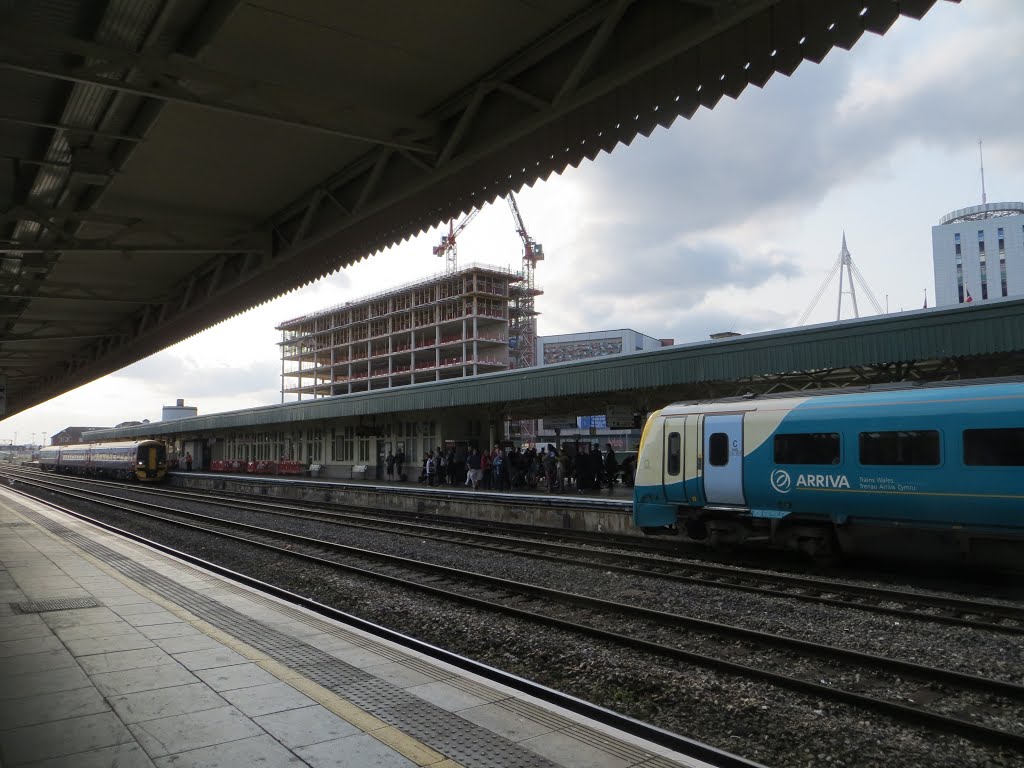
{"points": [[904, 604], [974, 706]]}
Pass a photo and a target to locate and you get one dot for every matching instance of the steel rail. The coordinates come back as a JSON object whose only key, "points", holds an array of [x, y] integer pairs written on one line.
{"points": [[690, 747], [975, 730], [656, 568]]}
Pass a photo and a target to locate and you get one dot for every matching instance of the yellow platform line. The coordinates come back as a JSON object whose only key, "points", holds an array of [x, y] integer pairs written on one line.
{"points": [[409, 747]]}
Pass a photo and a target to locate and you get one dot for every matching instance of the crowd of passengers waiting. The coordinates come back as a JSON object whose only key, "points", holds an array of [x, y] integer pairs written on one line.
{"points": [[578, 467]]}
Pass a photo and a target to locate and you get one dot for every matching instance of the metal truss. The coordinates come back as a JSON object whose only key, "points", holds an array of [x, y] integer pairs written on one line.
{"points": [[599, 79]]}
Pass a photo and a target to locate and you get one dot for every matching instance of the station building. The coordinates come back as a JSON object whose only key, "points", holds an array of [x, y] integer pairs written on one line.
{"points": [[616, 427], [978, 254]]}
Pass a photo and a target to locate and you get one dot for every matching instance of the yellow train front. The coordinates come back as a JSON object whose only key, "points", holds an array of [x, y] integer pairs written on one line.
{"points": [[142, 460]]}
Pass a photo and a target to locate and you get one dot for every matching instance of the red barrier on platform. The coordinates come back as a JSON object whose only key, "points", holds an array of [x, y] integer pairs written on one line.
{"points": [[217, 466], [291, 468], [262, 468]]}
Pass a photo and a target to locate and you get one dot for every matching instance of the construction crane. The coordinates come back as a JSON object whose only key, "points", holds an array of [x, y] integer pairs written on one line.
{"points": [[447, 246], [524, 329]]}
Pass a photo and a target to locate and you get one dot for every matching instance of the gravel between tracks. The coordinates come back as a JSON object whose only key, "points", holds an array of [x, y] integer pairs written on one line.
{"points": [[754, 719]]}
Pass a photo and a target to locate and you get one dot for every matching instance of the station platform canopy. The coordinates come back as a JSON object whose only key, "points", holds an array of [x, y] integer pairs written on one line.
{"points": [[963, 342], [169, 164]]}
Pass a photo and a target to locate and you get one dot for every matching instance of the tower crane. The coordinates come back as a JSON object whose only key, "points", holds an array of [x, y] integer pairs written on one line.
{"points": [[447, 247], [525, 328]]}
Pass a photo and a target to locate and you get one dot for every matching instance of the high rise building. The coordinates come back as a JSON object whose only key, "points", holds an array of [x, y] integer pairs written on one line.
{"points": [[978, 254], [444, 327]]}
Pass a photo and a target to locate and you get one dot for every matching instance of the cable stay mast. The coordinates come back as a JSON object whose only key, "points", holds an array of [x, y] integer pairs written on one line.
{"points": [[849, 273]]}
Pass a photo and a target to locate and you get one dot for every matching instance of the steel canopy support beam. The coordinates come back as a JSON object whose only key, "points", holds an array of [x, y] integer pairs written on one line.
{"points": [[180, 97]]}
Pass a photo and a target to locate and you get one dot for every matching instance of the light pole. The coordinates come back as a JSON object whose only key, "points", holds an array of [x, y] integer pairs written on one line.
{"points": [[43, 442]]}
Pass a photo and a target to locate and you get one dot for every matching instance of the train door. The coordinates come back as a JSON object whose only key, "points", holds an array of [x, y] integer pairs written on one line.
{"points": [[723, 459], [151, 460], [673, 478]]}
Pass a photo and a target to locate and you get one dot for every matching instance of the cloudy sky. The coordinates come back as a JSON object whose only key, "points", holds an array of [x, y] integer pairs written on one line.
{"points": [[729, 221]]}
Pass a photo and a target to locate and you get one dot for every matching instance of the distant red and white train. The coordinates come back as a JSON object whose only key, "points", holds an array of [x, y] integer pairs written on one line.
{"points": [[143, 460]]}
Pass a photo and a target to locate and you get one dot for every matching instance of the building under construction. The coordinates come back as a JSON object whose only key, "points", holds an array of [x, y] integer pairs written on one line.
{"points": [[461, 323]]}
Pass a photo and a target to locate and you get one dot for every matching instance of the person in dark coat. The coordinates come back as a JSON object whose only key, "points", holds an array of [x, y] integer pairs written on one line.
{"points": [[596, 464], [581, 466], [611, 467]]}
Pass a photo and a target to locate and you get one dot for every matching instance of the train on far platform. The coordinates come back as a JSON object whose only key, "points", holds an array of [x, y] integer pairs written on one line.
{"points": [[933, 473], [143, 460]]}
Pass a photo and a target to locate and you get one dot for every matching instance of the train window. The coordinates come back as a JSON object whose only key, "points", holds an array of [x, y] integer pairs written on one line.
{"points": [[718, 449], [675, 453], [810, 448], [902, 448], [994, 447]]}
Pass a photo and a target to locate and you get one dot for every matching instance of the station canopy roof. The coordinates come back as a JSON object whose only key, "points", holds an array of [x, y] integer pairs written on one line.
{"points": [[965, 341], [166, 165]]}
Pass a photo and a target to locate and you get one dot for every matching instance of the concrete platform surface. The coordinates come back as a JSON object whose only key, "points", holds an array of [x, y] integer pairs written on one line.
{"points": [[114, 654]]}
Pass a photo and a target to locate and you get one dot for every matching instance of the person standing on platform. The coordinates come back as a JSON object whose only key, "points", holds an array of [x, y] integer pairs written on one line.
{"points": [[498, 469], [550, 468], [389, 465], [485, 469], [611, 467], [581, 466], [400, 463], [188, 462], [473, 474]]}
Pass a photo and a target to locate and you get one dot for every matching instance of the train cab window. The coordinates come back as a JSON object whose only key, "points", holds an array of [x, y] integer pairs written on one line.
{"points": [[994, 447], [903, 448], [718, 449], [675, 453], [810, 448]]}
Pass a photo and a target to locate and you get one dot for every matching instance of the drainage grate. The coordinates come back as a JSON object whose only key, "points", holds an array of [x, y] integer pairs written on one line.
{"points": [[57, 604]]}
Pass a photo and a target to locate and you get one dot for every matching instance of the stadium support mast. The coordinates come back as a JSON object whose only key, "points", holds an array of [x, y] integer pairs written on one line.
{"points": [[844, 262]]}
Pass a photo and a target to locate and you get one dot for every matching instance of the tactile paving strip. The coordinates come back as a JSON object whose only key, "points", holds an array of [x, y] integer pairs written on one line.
{"points": [[449, 734], [56, 604]]}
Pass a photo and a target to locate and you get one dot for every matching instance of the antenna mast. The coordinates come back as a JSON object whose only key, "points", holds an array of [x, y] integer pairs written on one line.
{"points": [[981, 157]]}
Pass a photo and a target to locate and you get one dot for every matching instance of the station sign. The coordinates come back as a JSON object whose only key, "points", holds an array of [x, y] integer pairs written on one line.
{"points": [[619, 416], [560, 422]]}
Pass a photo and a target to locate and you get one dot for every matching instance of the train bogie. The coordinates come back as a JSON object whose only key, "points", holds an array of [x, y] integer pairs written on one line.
{"points": [[145, 460], [932, 473]]}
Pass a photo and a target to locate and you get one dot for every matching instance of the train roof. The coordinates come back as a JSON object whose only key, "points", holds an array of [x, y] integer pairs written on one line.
{"points": [[117, 444], [871, 394]]}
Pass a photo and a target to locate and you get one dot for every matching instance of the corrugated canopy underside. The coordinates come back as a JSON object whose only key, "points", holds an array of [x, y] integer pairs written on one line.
{"points": [[166, 165]]}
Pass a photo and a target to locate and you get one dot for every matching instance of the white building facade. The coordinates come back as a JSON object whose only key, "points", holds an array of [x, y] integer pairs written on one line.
{"points": [[582, 346], [978, 254]]}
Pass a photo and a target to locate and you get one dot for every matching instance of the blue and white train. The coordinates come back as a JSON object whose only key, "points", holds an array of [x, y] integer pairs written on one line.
{"points": [[931, 473], [144, 460]]}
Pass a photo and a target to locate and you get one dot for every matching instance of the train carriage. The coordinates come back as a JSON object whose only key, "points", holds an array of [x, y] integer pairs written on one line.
{"points": [[145, 460], [932, 473]]}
